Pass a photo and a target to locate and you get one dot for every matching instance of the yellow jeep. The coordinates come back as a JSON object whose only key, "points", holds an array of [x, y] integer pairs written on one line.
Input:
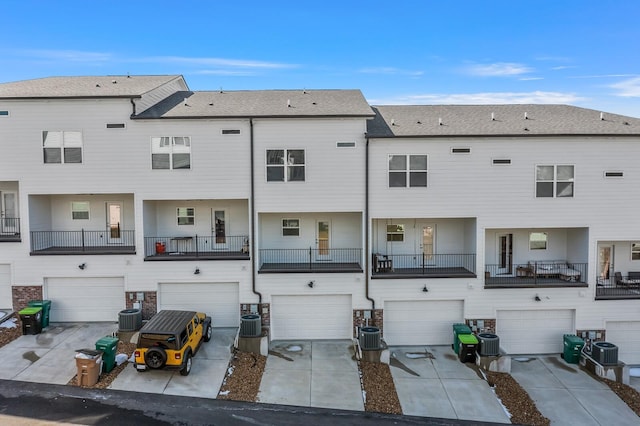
{"points": [[170, 339]]}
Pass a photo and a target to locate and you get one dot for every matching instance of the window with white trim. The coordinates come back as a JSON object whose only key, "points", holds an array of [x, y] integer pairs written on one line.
{"points": [[62, 147], [186, 215], [285, 165], [538, 240], [290, 227], [171, 152], [395, 232], [554, 181], [407, 171], [80, 210], [635, 251]]}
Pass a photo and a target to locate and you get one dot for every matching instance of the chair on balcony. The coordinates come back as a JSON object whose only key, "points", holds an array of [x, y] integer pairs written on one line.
{"points": [[618, 278], [382, 263]]}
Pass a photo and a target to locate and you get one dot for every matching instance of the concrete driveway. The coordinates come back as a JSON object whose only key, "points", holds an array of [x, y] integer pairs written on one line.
{"points": [[49, 357], [312, 374], [208, 370], [568, 395], [443, 387]]}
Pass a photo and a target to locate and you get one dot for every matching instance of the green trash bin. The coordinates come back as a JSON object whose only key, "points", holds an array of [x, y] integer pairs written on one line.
{"points": [[572, 348], [459, 329], [467, 347], [46, 308], [109, 346], [31, 320]]}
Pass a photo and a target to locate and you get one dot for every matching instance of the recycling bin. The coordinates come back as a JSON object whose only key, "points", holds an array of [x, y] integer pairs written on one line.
{"points": [[46, 308], [31, 320], [572, 348], [88, 364], [467, 347], [459, 329], [108, 346]]}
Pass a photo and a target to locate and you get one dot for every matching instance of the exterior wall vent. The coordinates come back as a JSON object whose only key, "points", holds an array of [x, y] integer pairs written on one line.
{"points": [[613, 174], [345, 144], [488, 344], [115, 126], [461, 150], [604, 353], [502, 161], [250, 325], [230, 131], [369, 338], [4, 113]]}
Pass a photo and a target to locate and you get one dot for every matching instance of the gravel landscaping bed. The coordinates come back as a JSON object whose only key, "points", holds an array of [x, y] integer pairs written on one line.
{"points": [[626, 393], [244, 374], [517, 401], [8, 335], [378, 389]]}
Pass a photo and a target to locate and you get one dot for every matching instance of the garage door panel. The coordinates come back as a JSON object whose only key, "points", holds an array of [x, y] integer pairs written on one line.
{"points": [[311, 317], [6, 300], [624, 334], [534, 331], [421, 322], [85, 299], [218, 300]]}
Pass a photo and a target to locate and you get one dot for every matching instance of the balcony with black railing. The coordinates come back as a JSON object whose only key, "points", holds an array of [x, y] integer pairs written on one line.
{"points": [[421, 265], [114, 241], [10, 229], [619, 287], [536, 274], [310, 260], [191, 247]]}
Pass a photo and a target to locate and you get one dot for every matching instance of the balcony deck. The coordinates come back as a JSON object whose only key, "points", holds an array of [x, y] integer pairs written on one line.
{"points": [[421, 265], [427, 272], [193, 255], [194, 247], [10, 238], [530, 282], [55, 250], [310, 260], [82, 242]]}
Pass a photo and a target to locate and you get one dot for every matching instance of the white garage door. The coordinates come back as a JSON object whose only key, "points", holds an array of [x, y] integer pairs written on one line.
{"points": [[311, 317], [221, 301], [6, 301], [624, 334], [534, 332], [85, 299], [420, 322]]}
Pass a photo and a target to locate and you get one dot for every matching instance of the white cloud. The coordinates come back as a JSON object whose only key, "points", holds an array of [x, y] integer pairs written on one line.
{"points": [[605, 76], [531, 78], [498, 69], [390, 71], [629, 88], [232, 73], [562, 67], [219, 62], [486, 98]]}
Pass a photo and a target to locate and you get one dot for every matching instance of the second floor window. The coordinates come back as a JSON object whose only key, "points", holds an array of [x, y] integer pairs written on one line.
{"points": [[62, 147], [407, 171], [554, 181], [285, 165], [171, 152], [186, 215]]}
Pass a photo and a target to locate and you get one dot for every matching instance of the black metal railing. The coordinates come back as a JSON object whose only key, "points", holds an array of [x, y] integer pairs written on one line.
{"points": [[9, 228], [311, 259], [196, 246], [622, 287], [82, 241], [535, 273], [424, 264]]}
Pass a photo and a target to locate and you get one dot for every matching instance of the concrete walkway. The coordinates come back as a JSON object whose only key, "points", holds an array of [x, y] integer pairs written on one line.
{"points": [[567, 395], [312, 374], [444, 387]]}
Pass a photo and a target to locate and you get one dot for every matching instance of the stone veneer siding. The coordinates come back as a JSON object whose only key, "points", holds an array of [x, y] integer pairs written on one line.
{"points": [[599, 336], [373, 318], [21, 295], [149, 304]]}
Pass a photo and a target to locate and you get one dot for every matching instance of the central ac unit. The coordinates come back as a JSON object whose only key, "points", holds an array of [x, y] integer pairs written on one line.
{"points": [[488, 344], [250, 325], [604, 353], [369, 338]]}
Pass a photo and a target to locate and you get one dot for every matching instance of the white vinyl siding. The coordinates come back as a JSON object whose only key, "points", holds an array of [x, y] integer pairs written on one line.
{"points": [[5, 286], [311, 317], [534, 331], [85, 299], [624, 334], [420, 322], [218, 300]]}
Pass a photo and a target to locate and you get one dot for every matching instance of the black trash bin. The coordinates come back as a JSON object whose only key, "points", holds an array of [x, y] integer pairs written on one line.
{"points": [[31, 320]]}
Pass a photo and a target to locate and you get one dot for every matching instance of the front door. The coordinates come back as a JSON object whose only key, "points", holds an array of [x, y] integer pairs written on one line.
{"points": [[9, 213], [323, 234], [427, 244], [605, 264], [114, 222], [505, 254]]}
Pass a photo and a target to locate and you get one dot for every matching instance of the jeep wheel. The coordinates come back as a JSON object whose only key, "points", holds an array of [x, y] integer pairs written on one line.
{"points": [[187, 365], [155, 358], [207, 333]]}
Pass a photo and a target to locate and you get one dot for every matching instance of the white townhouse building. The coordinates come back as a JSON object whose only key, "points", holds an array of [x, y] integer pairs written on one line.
{"points": [[320, 212]]}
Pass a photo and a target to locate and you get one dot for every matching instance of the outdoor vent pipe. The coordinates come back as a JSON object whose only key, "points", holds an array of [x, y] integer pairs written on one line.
{"points": [[252, 252], [366, 227]]}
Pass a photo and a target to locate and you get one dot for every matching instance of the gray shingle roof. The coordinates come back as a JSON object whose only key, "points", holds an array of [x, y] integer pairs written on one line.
{"points": [[261, 103], [476, 120], [84, 87]]}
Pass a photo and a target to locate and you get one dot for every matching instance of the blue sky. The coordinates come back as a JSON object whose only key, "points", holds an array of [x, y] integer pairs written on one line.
{"points": [[584, 53]]}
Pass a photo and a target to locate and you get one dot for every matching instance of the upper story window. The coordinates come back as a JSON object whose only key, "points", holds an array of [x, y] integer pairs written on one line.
{"points": [[407, 171], [635, 251], [171, 152], [285, 165], [554, 181], [186, 215], [395, 232], [538, 240], [290, 227], [62, 147], [80, 210]]}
